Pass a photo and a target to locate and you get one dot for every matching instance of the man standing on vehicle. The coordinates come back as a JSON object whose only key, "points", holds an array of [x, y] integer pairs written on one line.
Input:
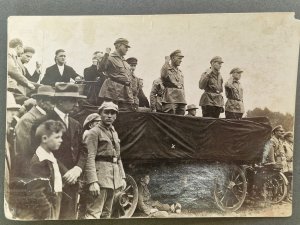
{"points": [[234, 107], [104, 173], [211, 82], [173, 101], [117, 87]]}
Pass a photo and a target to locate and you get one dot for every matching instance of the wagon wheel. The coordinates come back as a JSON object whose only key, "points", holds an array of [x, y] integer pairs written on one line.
{"points": [[230, 191], [275, 188], [126, 200]]}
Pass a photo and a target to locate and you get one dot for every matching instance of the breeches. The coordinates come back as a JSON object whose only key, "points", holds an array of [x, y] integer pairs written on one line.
{"points": [[173, 108], [211, 111]]}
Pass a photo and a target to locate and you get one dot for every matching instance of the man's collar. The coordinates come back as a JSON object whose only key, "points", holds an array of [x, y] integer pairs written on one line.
{"points": [[60, 113], [40, 110], [116, 54], [42, 154], [61, 65], [111, 127]]}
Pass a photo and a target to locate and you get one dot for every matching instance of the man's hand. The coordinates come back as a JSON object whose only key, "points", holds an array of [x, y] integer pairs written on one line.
{"points": [[153, 210], [167, 59], [78, 78], [123, 184], [107, 50], [31, 86], [94, 189], [72, 175]]}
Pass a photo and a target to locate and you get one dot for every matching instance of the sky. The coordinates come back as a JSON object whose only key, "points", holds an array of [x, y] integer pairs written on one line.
{"points": [[264, 45]]}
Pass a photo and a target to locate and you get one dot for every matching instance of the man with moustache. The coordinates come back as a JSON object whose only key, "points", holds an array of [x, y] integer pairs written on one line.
{"points": [[59, 72], [211, 82], [104, 172], [117, 87], [173, 100], [72, 152]]}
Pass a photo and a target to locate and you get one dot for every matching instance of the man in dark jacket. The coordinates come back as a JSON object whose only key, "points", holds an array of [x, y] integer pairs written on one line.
{"points": [[59, 72], [72, 152]]}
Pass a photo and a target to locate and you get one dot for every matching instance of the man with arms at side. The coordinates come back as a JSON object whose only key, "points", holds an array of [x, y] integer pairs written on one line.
{"points": [[59, 72]]}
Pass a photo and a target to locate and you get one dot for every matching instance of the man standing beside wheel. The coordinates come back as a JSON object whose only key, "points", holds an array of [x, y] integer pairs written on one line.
{"points": [[104, 173], [211, 82]]}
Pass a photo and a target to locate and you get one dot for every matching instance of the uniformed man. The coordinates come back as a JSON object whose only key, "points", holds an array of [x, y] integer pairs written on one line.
{"points": [[234, 107], [192, 110], [136, 84], [156, 94], [173, 100], [211, 82], [104, 172], [117, 87], [275, 154], [288, 146]]}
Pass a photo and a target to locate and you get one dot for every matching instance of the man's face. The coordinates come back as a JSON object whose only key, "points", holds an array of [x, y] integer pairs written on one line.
{"points": [[176, 60], [68, 104], [217, 65], [53, 142], [95, 62], [279, 133], [193, 112], [46, 103], [108, 116], [236, 76], [61, 58], [132, 67], [146, 179], [123, 49], [26, 57], [19, 50]]}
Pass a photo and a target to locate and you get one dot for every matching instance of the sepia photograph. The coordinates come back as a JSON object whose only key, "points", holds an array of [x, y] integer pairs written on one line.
{"points": [[150, 116]]}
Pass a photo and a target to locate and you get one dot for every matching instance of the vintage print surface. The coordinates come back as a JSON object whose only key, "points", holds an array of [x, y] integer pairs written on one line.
{"points": [[150, 116]]}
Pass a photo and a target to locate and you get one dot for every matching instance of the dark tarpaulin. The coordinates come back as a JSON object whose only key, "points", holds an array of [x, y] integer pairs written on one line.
{"points": [[154, 136]]}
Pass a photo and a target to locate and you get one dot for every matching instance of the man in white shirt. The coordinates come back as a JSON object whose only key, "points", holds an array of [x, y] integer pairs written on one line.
{"points": [[59, 72]]}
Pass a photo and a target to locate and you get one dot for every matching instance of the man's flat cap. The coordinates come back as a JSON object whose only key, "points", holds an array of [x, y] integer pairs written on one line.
{"points": [[277, 128], [132, 61], [122, 41], [216, 59], [236, 70], [176, 53]]}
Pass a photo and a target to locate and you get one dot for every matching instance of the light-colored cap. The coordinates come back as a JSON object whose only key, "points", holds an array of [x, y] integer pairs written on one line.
{"points": [[190, 107], [236, 70], [108, 105], [91, 118]]}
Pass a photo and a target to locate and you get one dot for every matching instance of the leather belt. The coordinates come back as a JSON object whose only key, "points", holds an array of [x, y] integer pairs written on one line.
{"points": [[111, 159]]}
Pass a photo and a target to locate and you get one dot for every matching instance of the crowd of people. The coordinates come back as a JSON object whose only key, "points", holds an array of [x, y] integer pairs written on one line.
{"points": [[44, 141]]}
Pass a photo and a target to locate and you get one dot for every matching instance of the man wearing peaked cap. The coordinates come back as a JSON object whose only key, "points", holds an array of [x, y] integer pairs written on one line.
{"points": [[72, 152], [192, 110], [117, 87], [24, 149], [211, 82], [234, 107], [173, 100], [104, 172]]}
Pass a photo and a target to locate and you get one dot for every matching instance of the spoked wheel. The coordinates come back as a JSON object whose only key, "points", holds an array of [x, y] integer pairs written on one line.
{"points": [[230, 190], [126, 200], [276, 188]]}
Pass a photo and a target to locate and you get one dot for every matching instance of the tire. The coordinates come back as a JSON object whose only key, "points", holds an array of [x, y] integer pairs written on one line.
{"points": [[276, 188]]}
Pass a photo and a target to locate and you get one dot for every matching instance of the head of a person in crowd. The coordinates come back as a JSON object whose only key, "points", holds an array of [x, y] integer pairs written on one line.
{"points": [[192, 109], [60, 57], [236, 73], [176, 58], [27, 55], [145, 178], [66, 96], [12, 108], [98, 54], [95, 60], [216, 63], [289, 137], [16, 44], [45, 97], [278, 132], [121, 45], [91, 121], [108, 112], [49, 134], [132, 63]]}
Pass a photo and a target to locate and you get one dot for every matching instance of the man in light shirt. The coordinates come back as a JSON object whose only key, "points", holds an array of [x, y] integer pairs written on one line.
{"points": [[59, 72]]}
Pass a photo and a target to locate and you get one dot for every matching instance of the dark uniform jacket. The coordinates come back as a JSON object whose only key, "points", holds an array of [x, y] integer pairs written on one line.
{"points": [[52, 75], [234, 94]]}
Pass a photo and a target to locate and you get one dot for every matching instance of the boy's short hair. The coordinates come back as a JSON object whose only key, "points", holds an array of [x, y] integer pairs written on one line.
{"points": [[49, 127]]}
